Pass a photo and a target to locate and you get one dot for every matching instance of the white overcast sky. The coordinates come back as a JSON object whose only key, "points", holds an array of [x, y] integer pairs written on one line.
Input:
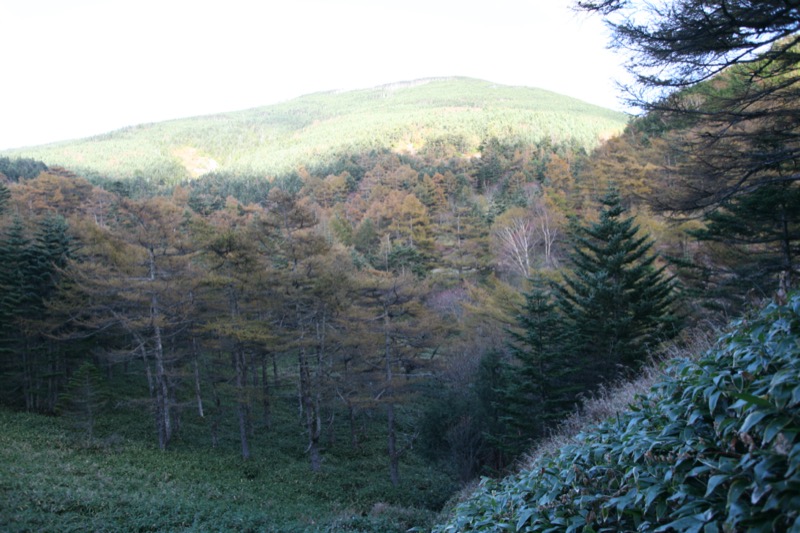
{"points": [[74, 68]]}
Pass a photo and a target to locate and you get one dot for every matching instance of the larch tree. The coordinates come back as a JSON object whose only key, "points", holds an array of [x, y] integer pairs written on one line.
{"points": [[723, 77], [137, 276], [231, 290], [395, 329], [464, 238], [297, 254], [725, 72], [755, 237]]}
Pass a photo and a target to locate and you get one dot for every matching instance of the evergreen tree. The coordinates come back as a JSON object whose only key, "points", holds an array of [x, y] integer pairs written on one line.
{"points": [[737, 59], [52, 247], [21, 168], [537, 391], [29, 369], [618, 305], [16, 302], [86, 396], [5, 196], [758, 238]]}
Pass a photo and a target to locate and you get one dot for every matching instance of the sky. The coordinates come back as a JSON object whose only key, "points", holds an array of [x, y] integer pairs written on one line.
{"points": [[77, 68]]}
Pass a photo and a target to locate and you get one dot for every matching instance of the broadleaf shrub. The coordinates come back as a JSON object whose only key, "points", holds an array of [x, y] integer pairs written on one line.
{"points": [[713, 446]]}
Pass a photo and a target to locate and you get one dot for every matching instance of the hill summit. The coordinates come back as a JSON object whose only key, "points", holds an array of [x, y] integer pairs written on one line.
{"points": [[313, 130]]}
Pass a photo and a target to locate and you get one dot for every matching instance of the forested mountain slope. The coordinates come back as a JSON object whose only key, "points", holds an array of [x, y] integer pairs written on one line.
{"points": [[314, 130], [421, 277]]}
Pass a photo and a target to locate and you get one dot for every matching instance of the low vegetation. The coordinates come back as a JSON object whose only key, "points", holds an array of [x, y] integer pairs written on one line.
{"points": [[713, 446], [54, 478]]}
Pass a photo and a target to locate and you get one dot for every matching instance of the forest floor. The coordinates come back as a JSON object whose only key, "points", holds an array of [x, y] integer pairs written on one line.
{"points": [[53, 479]]}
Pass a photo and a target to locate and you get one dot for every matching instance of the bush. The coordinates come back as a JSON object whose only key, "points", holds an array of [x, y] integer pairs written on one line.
{"points": [[713, 447]]}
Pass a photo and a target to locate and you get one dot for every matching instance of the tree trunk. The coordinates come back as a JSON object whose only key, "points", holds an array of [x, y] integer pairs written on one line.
{"points": [[240, 368], [197, 394], [265, 402], [242, 408], [163, 422], [310, 411], [216, 418], [394, 456], [27, 377], [351, 412], [147, 370]]}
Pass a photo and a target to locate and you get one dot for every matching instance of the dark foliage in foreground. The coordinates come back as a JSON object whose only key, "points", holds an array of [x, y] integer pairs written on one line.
{"points": [[714, 447]]}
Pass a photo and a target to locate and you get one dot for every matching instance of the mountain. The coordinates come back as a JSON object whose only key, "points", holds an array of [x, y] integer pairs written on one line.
{"points": [[313, 130]]}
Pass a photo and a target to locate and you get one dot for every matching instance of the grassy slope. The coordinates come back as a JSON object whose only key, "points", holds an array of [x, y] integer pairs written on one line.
{"points": [[313, 129]]}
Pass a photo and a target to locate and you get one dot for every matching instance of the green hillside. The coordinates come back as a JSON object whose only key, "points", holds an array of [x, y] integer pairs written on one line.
{"points": [[313, 130]]}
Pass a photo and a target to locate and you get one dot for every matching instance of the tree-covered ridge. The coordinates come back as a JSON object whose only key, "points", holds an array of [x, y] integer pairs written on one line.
{"points": [[314, 130], [714, 447]]}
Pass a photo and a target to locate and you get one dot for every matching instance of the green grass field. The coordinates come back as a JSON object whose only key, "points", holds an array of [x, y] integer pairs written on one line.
{"points": [[51, 479]]}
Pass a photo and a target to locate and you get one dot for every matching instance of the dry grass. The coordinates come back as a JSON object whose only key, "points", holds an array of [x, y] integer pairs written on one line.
{"points": [[606, 403], [609, 400]]}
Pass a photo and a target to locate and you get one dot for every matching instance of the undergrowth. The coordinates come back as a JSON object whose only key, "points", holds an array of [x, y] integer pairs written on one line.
{"points": [[53, 479], [712, 446]]}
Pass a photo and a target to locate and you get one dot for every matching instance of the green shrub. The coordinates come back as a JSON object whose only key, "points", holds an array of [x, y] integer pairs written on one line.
{"points": [[713, 447]]}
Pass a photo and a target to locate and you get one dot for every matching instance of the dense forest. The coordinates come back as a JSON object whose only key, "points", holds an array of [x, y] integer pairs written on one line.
{"points": [[407, 293]]}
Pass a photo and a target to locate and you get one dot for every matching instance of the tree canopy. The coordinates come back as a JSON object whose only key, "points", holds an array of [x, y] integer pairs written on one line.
{"points": [[725, 75]]}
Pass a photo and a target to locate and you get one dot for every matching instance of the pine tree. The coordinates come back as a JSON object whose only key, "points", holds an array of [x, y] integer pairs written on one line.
{"points": [[618, 304]]}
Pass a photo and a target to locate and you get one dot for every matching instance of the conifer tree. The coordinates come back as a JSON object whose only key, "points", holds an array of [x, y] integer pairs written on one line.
{"points": [[537, 391], [393, 327], [17, 302], [757, 237], [86, 396], [5, 197], [52, 247], [29, 277], [729, 70], [618, 304]]}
